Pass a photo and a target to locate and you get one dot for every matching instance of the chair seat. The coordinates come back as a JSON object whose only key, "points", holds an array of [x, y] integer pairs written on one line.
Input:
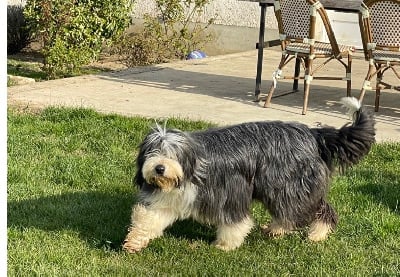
{"points": [[320, 48], [297, 29], [381, 55], [379, 26]]}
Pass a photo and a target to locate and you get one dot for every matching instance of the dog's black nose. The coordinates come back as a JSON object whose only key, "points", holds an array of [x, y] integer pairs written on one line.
{"points": [[160, 169]]}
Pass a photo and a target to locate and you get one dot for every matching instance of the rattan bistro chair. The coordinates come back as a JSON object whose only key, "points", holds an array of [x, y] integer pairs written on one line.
{"points": [[380, 33], [297, 27]]}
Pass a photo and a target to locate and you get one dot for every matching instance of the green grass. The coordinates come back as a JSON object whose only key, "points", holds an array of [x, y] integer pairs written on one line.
{"points": [[33, 69], [25, 69], [70, 194]]}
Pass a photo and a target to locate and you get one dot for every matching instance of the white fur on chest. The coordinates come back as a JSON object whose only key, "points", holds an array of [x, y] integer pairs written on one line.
{"points": [[178, 202]]}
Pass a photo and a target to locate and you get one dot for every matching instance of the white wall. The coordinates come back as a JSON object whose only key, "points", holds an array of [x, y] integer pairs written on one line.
{"points": [[241, 19], [16, 2], [226, 12], [235, 27], [346, 28], [247, 14]]}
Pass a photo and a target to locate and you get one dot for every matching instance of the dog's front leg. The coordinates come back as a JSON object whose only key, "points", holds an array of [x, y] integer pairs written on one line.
{"points": [[147, 224], [231, 236]]}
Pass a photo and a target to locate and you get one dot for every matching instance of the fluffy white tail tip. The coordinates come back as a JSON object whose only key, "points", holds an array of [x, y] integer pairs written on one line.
{"points": [[352, 105]]}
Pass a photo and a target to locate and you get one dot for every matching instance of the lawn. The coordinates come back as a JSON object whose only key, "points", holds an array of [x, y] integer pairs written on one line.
{"points": [[30, 66], [70, 194]]}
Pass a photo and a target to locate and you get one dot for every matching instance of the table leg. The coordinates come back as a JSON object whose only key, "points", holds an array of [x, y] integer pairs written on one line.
{"points": [[296, 75], [260, 51]]}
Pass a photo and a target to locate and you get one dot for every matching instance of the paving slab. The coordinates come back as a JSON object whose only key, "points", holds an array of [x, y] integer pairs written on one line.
{"points": [[218, 89]]}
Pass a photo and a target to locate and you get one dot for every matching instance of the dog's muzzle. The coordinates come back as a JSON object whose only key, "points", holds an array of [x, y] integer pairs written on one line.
{"points": [[160, 169], [164, 173]]}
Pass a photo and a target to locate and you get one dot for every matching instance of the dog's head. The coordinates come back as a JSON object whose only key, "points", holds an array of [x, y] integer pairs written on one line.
{"points": [[167, 159]]}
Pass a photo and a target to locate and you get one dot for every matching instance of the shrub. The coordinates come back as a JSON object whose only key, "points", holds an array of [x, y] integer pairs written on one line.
{"points": [[134, 50], [73, 31], [173, 33], [17, 33]]}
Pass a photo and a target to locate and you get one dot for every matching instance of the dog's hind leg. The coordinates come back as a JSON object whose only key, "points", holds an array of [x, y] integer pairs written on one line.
{"points": [[276, 229], [147, 224], [324, 223], [231, 236]]}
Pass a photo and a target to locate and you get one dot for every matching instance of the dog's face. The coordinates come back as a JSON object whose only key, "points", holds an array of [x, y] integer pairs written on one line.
{"points": [[162, 172], [166, 160]]}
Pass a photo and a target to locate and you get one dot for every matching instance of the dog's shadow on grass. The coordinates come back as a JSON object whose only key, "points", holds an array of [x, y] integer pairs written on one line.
{"points": [[192, 231], [386, 192], [101, 219]]}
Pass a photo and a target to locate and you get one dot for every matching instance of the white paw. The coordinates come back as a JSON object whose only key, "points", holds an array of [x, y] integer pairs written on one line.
{"points": [[225, 246]]}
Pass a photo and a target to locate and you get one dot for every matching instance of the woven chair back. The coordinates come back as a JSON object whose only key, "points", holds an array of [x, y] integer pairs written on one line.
{"points": [[295, 22], [295, 18], [385, 22]]}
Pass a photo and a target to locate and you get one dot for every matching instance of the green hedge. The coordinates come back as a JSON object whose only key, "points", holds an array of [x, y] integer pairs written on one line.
{"points": [[73, 32]]}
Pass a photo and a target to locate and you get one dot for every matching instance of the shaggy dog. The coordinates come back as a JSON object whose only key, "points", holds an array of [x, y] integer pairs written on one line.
{"points": [[212, 176]]}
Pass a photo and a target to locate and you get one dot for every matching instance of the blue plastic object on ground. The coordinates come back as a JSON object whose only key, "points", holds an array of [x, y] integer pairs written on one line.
{"points": [[197, 54]]}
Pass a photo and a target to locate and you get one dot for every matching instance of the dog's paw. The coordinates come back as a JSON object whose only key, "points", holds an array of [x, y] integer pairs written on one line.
{"points": [[274, 230], [134, 246], [225, 246], [319, 231]]}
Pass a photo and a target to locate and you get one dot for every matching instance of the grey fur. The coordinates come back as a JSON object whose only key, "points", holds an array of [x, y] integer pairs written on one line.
{"points": [[286, 166]]}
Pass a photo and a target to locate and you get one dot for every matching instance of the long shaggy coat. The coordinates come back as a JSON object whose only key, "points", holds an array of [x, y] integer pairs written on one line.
{"points": [[213, 176]]}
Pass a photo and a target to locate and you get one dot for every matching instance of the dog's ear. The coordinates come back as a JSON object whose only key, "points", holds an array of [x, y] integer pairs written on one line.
{"points": [[138, 178], [193, 161]]}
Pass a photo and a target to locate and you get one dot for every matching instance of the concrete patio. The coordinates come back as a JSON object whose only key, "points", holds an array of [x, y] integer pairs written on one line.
{"points": [[219, 89]]}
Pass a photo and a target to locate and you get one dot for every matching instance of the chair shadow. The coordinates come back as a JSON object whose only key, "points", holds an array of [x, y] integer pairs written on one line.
{"points": [[232, 88], [324, 100]]}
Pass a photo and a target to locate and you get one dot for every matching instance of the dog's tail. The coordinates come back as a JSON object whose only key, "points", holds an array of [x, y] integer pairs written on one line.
{"points": [[349, 144]]}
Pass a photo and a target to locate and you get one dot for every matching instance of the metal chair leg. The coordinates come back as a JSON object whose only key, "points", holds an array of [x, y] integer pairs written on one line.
{"points": [[296, 75], [379, 77], [348, 73], [260, 52]]}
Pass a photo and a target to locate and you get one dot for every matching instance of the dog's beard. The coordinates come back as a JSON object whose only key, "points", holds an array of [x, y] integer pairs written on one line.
{"points": [[164, 183]]}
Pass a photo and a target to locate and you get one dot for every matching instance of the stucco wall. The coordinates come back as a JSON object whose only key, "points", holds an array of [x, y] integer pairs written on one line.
{"points": [[232, 15], [16, 2], [226, 12], [236, 23], [235, 27]]}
